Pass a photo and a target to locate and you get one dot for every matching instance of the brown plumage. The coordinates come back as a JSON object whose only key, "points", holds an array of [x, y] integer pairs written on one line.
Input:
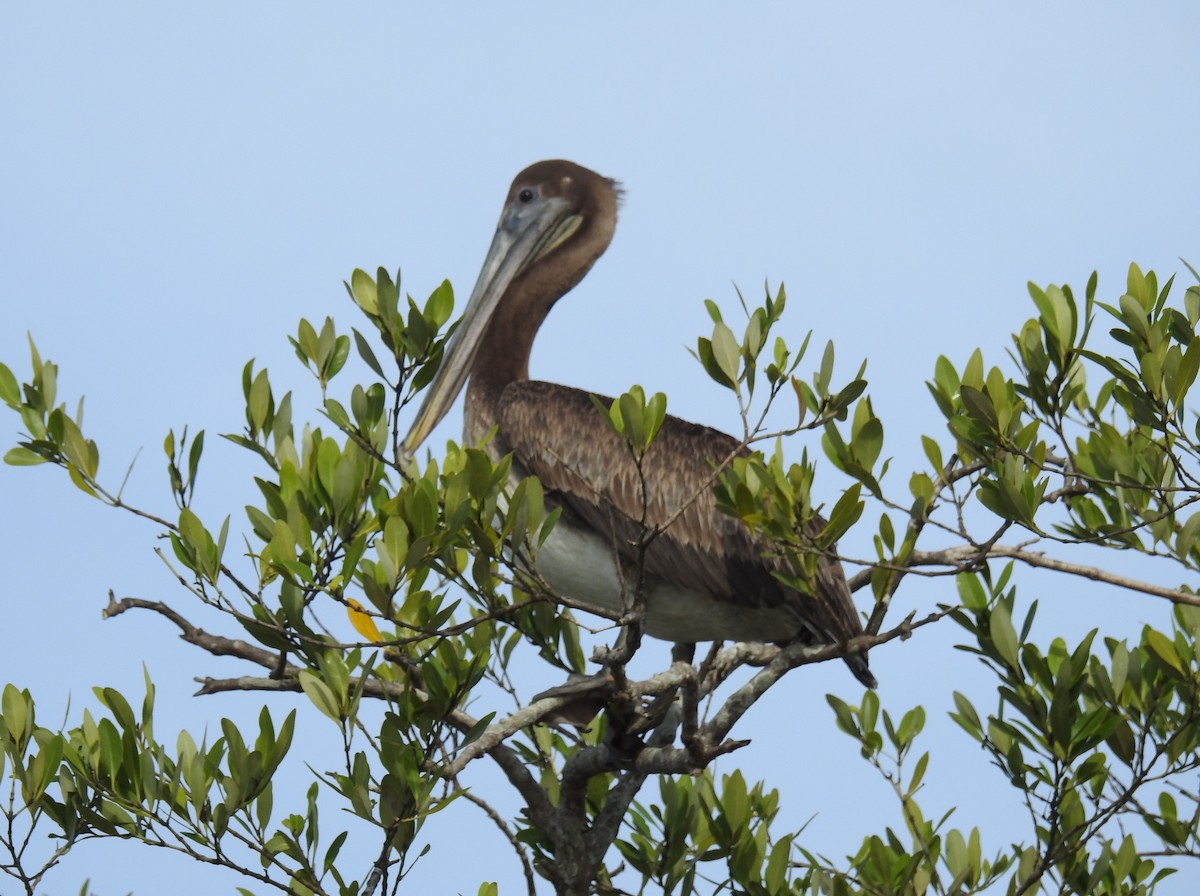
{"points": [[705, 575]]}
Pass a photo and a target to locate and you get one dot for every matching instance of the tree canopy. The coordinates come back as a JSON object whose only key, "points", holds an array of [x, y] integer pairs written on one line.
{"points": [[1071, 441]]}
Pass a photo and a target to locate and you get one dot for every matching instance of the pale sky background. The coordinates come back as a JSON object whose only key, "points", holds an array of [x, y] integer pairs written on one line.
{"points": [[180, 184]]}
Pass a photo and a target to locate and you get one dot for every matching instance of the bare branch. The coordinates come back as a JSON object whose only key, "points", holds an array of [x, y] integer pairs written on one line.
{"points": [[217, 645], [968, 557], [508, 833]]}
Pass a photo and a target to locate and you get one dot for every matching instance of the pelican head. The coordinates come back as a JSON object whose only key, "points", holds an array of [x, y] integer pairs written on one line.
{"points": [[559, 218]]}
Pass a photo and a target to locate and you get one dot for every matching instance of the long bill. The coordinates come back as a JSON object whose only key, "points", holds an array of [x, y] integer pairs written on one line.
{"points": [[524, 234]]}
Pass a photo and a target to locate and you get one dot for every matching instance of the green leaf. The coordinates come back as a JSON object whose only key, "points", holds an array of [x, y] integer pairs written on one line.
{"points": [[440, 304], [337, 359], [630, 406], [305, 342], [80, 482], [258, 403], [933, 452], [1163, 648], [321, 695], [825, 373], [1004, 636], [918, 774], [1186, 374], [921, 486], [364, 291], [656, 413], [726, 352], [10, 390], [845, 514], [867, 443], [970, 591], [23, 457], [16, 710], [194, 455], [845, 716], [367, 353], [979, 406]]}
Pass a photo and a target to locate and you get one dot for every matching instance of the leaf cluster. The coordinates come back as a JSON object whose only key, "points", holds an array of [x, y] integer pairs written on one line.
{"points": [[399, 598]]}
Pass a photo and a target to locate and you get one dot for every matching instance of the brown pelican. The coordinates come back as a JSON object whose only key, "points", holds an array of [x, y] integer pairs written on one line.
{"points": [[705, 576]]}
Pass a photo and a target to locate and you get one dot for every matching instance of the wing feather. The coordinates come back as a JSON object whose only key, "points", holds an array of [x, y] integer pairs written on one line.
{"points": [[556, 434]]}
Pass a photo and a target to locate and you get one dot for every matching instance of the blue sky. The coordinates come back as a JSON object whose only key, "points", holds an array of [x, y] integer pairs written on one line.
{"points": [[181, 184]]}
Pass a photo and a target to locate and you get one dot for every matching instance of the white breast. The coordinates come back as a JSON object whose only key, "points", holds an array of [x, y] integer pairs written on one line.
{"points": [[578, 564]]}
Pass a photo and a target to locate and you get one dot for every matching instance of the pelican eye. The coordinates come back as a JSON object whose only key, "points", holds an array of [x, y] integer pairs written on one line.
{"points": [[525, 195]]}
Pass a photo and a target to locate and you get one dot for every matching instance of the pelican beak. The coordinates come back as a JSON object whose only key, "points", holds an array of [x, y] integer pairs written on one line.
{"points": [[525, 233]]}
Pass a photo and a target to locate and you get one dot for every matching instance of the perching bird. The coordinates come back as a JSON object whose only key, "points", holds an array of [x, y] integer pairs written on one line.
{"points": [[706, 576]]}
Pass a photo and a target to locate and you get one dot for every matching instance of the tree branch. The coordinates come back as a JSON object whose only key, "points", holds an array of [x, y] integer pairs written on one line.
{"points": [[966, 556]]}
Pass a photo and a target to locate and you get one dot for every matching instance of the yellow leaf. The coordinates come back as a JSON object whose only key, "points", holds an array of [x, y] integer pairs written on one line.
{"points": [[363, 624]]}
